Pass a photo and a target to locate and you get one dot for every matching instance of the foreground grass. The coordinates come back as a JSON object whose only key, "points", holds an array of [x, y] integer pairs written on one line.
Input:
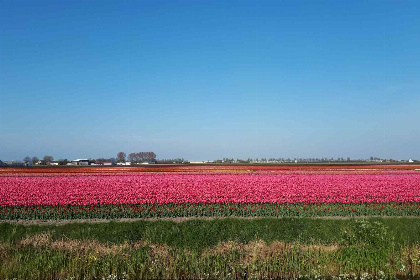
{"points": [[220, 248]]}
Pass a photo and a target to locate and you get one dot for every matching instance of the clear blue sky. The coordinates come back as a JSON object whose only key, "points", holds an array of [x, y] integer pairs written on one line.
{"points": [[210, 79]]}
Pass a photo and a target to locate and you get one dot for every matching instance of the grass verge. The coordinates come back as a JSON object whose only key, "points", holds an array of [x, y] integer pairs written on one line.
{"points": [[379, 248]]}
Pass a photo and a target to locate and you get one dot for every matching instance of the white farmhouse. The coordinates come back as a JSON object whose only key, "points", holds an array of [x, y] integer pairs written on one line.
{"points": [[80, 162]]}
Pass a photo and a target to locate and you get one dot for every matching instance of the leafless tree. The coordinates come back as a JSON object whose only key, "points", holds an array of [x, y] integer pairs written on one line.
{"points": [[142, 157], [121, 157], [132, 157], [35, 160], [48, 159], [27, 159]]}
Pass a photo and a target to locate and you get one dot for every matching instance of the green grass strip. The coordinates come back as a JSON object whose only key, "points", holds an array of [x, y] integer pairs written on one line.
{"points": [[199, 233], [207, 210], [373, 248]]}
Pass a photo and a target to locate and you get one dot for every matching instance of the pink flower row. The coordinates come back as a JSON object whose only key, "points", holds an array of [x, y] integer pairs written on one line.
{"points": [[293, 187]]}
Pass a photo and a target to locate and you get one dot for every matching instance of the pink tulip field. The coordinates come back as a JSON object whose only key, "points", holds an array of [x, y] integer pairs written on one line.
{"points": [[175, 194]]}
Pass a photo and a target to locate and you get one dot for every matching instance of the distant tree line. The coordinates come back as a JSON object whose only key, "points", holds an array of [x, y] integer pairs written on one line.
{"points": [[138, 157], [169, 161], [142, 157], [299, 160], [121, 157], [150, 157], [35, 160]]}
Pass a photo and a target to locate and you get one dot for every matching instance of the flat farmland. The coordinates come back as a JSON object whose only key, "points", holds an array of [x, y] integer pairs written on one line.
{"points": [[188, 222], [209, 191]]}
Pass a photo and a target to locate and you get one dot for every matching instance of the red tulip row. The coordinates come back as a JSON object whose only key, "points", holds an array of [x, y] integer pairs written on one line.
{"points": [[225, 188]]}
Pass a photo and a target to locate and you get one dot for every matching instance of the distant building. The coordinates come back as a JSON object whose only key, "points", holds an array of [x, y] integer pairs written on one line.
{"points": [[410, 160], [16, 163], [54, 162], [103, 162], [124, 163], [81, 162]]}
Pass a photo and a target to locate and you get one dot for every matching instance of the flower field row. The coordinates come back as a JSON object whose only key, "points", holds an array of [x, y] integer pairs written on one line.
{"points": [[209, 194], [176, 188]]}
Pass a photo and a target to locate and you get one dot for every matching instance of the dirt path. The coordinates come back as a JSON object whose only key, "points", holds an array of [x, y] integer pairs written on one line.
{"points": [[178, 219]]}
